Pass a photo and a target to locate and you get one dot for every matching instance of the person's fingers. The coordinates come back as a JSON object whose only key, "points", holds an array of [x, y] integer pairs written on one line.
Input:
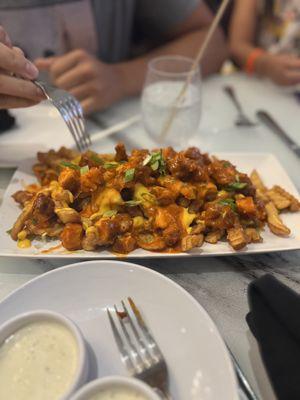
{"points": [[22, 88], [65, 63], [88, 106], [4, 38], [82, 92], [7, 102], [76, 76], [44, 64], [18, 50], [2, 71], [14, 62], [292, 78], [293, 62]]}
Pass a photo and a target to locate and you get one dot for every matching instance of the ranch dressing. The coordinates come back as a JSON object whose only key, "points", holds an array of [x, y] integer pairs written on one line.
{"points": [[38, 362], [118, 393]]}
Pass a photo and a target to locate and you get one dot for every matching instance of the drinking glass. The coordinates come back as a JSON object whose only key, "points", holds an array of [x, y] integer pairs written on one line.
{"points": [[164, 81]]}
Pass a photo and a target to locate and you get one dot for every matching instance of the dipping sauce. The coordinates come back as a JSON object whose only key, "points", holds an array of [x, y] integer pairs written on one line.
{"points": [[38, 362], [118, 393]]}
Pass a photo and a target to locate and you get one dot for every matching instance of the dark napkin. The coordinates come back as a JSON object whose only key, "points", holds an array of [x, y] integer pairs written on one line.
{"points": [[274, 319], [7, 121]]}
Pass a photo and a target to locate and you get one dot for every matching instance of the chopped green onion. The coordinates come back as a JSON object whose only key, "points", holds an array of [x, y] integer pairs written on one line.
{"points": [[110, 213], [226, 164], [157, 156], [155, 166], [129, 175], [147, 159], [96, 159], [237, 185], [132, 203], [110, 165], [84, 170], [9, 231], [68, 164], [34, 221], [228, 202], [156, 162]]}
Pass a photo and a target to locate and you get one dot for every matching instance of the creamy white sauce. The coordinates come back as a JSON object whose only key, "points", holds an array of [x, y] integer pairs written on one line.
{"points": [[118, 393], [38, 362]]}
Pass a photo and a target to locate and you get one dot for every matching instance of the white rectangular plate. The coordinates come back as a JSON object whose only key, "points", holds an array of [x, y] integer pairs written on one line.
{"points": [[266, 164]]}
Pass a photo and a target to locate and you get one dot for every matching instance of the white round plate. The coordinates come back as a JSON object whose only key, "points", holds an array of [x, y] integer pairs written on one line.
{"points": [[198, 362]]}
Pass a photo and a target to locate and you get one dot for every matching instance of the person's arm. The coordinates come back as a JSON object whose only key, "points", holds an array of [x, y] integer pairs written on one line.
{"points": [[242, 30], [14, 91], [98, 85], [283, 69]]}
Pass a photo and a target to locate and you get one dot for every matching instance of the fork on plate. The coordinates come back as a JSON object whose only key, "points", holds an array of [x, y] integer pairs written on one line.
{"points": [[139, 351], [71, 111]]}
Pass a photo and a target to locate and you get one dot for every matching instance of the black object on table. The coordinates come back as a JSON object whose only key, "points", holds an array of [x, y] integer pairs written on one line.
{"points": [[7, 121], [274, 319]]}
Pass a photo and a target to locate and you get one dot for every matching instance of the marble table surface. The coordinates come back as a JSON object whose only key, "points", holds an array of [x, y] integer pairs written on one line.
{"points": [[218, 283]]}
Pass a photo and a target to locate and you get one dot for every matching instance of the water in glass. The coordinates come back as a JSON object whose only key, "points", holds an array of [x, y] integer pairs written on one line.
{"points": [[165, 79]]}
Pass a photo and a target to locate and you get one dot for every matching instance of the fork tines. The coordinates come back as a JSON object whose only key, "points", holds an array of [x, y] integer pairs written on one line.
{"points": [[139, 351], [71, 111]]}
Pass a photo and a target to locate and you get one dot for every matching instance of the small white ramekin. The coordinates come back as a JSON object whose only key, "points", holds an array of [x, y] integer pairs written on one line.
{"points": [[15, 323], [93, 387]]}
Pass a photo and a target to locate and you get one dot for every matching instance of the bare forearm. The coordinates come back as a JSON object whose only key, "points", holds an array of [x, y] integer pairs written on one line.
{"points": [[242, 30], [240, 52], [134, 71]]}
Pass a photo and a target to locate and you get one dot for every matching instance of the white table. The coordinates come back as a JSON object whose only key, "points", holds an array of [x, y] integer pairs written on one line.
{"points": [[219, 284]]}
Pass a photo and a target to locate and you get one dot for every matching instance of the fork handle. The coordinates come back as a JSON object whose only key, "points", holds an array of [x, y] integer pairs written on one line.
{"points": [[229, 90], [41, 85]]}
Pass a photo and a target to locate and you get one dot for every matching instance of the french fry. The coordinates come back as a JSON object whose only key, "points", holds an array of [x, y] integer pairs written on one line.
{"points": [[237, 238], [190, 241], [259, 186], [253, 235], [214, 237], [281, 202], [295, 203], [274, 221], [257, 181], [20, 222]]}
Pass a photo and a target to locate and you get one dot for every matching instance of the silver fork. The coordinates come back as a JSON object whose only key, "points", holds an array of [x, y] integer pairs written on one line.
{"points": [[139, 351], [242, 119], [71, 111]]}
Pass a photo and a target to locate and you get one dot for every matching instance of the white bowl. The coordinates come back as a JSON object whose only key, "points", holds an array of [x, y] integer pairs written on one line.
{"points": [[12, 325], [93, 387]]}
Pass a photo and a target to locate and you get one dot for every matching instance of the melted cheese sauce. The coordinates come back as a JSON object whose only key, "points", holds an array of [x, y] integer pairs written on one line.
{"points": [[118, 393], [24, 244], [37, 362]]}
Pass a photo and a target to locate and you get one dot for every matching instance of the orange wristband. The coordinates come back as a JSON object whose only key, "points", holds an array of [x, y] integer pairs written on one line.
{"points": [[250, 62]]}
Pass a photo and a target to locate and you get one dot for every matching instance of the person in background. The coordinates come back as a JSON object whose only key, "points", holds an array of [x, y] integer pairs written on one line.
{"points": [[265, 39], [85, 45], [214, 5], [14, 91]]}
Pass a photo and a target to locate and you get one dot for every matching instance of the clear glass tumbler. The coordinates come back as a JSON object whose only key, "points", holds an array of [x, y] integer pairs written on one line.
{"points": [[164, 81]]}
